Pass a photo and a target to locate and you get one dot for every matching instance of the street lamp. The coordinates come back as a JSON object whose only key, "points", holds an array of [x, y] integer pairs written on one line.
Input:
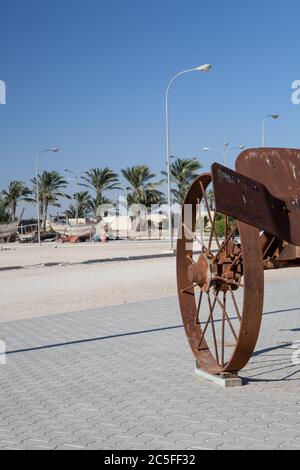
{"points": [[267, 116], [224, 152], [226, 148], [201, 68], [212, 149], [55, 150], [76, 189]]}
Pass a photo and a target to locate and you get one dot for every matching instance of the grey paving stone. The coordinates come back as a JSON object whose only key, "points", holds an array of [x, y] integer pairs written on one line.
{"points": [[70, 380]]}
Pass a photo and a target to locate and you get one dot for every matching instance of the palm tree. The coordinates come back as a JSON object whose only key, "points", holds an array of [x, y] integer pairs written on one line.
{"points": [[4, 214], [183, 172], [101, 180], [142, 189], [84, 201], [95, 203], [16, 192], [51, 185]]}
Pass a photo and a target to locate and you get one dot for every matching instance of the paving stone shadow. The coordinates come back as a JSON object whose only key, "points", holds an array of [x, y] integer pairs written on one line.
{"points": [[92, 340]]}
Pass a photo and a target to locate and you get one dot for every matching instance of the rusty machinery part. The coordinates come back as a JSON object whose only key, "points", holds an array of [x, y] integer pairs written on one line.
{"points": [[278, 169], [265, 192], [278, 253], [251, 202], [220, 284]]}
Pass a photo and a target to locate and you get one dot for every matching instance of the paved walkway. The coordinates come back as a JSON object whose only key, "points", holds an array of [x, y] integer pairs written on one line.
{"points": [[122, 378]]}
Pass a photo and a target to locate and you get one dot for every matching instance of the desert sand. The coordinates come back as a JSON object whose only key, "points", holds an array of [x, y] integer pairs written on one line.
{"points": [[42, 290], [15, 254]]}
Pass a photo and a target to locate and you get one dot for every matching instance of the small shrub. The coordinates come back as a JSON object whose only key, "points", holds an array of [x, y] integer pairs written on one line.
{"points": [[220, 225]]}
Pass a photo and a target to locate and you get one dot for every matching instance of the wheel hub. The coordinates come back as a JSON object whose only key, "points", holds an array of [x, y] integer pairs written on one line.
{"points": [[201, 273], [224, 272]]}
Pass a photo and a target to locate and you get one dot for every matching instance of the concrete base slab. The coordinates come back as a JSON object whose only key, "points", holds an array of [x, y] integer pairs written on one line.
{"points": [[226, 382]]}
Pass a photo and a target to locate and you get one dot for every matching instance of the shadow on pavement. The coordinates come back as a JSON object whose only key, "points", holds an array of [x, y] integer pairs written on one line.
{"points": [[270, 363], [274, 361], [91, 340]]}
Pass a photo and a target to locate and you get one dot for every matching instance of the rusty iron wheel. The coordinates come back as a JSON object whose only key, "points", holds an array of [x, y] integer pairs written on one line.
{"points": [[220, 285]]}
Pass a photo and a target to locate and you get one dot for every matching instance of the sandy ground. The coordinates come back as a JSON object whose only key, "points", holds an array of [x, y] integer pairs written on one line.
{"points": [[51, 290], [28, 255], [42, 291]]}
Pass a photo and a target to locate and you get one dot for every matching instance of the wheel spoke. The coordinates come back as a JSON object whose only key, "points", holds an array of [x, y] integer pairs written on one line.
{"points": [[190, 259], [206, 324], [225, 232], [268, 247], [227, 318], [237, 284], [236, 260], [235, 305], [228, 281], [187, 289], [200, 220], [223, 331], [198, 309], [213, 329], [193, 236], [212, 231], [209, 213]]}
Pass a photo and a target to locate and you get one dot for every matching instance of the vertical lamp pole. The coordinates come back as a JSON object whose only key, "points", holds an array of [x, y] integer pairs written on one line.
{"points": [[201, 68], [267, 116], [55, 149], [226, 148], [76, 189]]}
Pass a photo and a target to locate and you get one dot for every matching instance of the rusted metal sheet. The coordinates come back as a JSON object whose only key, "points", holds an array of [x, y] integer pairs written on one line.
{"points": [[249, 201], [278, 169]]}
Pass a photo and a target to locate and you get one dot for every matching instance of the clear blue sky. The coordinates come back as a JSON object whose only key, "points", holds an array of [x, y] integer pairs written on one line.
{"points": [[90, 76]]}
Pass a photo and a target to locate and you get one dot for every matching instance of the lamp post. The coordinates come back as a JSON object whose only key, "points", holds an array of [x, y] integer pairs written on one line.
{"points": [[224, 152], [226, 148], [76, 189], [267, 116], [55, 149], [201, 68]]}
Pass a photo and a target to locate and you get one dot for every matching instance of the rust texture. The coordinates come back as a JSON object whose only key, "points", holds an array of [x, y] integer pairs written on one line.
{"points": [[253, 225]]}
